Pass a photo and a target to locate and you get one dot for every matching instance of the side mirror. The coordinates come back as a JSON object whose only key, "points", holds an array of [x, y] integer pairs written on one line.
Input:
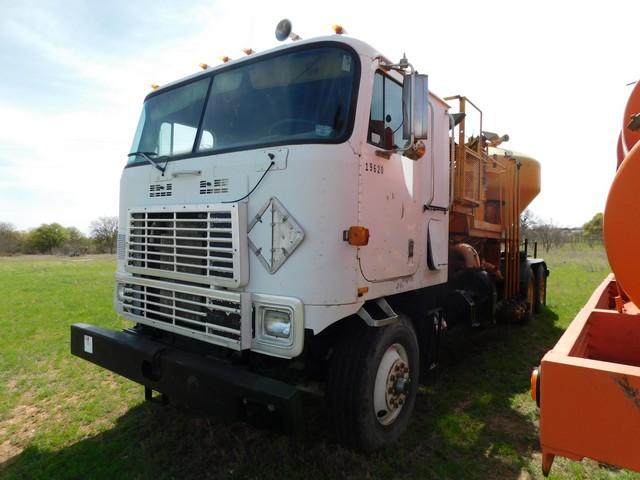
{"points": [[415, 107]]}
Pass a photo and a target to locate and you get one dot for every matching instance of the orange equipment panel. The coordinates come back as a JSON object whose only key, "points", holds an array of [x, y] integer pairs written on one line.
{"points": [[589, 386]]}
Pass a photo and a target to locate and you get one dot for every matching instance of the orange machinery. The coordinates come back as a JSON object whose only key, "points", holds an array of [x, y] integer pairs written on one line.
{"points": [[588, 385], [491, 187]]}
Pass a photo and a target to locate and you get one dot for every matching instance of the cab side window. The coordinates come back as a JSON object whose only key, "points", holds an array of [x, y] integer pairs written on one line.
{"points": [[385, 117]]}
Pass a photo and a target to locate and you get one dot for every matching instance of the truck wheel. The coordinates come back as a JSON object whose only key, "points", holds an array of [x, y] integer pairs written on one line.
{"points": [[540, 290], [372, 385]]}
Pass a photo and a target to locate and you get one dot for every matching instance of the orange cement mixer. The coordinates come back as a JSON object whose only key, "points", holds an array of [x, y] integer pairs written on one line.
{"points": [[588, 385]]}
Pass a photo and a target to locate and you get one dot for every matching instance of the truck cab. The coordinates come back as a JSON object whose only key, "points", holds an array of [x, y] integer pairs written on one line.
{"points": [[284, 220]]}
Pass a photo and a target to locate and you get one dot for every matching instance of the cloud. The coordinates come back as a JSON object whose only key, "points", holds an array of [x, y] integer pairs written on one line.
{"points": [[79, 71]]}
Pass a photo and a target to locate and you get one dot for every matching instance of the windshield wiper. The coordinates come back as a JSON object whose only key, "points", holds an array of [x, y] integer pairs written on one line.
{"points": [[146, 156]]}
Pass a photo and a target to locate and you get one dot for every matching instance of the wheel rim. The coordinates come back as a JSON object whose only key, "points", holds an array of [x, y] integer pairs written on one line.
{"points": [[392, 384]]}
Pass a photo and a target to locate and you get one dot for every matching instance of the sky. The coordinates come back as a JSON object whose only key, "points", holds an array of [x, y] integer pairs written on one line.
{"points": [[553, 75]]}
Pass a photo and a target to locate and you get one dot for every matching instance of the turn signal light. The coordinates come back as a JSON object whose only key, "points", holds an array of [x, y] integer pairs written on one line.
{"points": [[356, 235], [416, 151]]}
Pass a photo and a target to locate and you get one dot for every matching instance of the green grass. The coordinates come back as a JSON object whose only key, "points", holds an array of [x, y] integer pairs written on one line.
{"points": [[61, 417]]}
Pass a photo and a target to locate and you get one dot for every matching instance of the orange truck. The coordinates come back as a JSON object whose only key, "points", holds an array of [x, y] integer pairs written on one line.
{"points": [[588, 385]]}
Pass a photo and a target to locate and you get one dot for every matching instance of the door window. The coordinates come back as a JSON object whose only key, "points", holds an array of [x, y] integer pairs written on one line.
{"points": [[386, 113]]}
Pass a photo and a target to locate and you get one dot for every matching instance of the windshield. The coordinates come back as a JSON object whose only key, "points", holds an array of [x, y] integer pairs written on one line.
{"points": [[169, 122], [304, 96]]}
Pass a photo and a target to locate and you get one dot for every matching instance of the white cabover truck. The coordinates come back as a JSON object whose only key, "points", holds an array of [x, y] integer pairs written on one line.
{"points": [[309, 215]]}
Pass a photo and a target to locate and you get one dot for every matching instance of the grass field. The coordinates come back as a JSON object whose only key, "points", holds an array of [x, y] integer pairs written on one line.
{"points": [[61, 417]]}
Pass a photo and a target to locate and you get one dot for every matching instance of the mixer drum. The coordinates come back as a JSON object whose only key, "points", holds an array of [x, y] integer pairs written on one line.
{"points": [[621, 225], [529, 177]]}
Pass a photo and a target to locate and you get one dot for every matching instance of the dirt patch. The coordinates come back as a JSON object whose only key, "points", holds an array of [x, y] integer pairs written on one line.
{"points": [[7, 451], [12, 384], [18, 430], [503, 423], [524, 475]]}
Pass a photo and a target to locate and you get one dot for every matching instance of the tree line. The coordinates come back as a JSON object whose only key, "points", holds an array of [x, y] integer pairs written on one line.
{"points": [[549, 235], [53, 238]]}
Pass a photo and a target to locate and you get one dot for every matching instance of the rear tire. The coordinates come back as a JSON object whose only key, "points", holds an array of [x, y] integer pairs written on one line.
{"points": [[372, 385], [541, 289], [530, 294]]}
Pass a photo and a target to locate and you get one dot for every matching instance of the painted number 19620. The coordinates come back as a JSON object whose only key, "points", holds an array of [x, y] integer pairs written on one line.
{"points": [[373, 167]]}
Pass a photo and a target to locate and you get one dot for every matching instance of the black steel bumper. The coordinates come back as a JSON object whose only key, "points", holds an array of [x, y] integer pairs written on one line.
{"points": [[202, 383]]}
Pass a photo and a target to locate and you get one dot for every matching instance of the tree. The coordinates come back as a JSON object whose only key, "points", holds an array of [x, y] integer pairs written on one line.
{"points": [[47, 237], [11, 240], [548, 234], [76, 244], [592, 230], [104, 232], [527, 222], [540, 230]]}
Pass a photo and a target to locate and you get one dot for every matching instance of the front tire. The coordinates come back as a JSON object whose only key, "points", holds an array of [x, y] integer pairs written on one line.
{"points": [[372, 385]]}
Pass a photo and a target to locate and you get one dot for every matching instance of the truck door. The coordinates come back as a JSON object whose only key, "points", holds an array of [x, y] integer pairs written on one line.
{"points": [[392, 192]]}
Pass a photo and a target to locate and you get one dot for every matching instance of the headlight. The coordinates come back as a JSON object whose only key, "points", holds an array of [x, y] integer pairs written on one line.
{"points": [[277, 323]]}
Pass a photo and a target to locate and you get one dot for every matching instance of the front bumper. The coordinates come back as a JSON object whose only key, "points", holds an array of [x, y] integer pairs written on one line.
{"points": [[202, 383]]}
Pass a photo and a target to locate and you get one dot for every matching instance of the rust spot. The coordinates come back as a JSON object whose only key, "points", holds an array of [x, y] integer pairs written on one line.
{"points": [[630, 392]]}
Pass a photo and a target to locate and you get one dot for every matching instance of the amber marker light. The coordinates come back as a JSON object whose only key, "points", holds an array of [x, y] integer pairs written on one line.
{"points": [[535, 385], [248, 51], [224, 59], [356, 235], [154, 86], [338, 29], [416, 151], [362, 291], [204, 66]]}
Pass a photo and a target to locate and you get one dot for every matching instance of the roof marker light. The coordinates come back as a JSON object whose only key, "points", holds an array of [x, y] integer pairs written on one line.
{"points": [[225, 58], [154, 86], [204, 66], [248, 51], [338, 29]]}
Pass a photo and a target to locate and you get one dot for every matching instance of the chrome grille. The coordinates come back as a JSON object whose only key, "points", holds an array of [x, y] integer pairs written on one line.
{"points": [[209, 315], [205, 244]]}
